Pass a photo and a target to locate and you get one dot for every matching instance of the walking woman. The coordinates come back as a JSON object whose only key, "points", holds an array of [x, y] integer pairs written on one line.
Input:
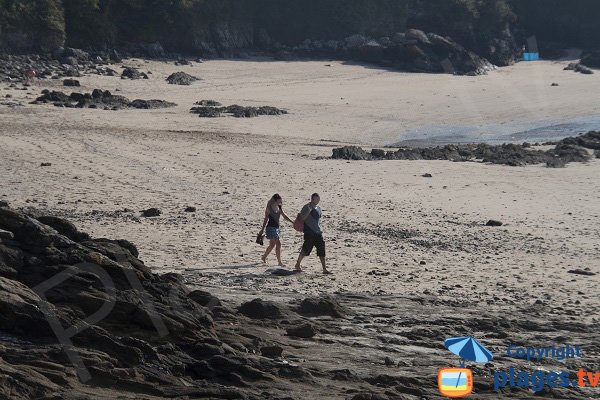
{"points": [[272, 214]]}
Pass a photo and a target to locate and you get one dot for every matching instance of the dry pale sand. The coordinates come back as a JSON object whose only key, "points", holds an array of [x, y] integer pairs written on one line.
{"points": [[105, 162]]}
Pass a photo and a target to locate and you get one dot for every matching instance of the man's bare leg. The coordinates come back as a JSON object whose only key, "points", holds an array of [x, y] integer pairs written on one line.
{"points": [[300, 257], [325, 270]]}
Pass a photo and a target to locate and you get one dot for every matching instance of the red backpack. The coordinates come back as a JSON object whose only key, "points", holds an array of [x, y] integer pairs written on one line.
{"points": [[299, 223]]}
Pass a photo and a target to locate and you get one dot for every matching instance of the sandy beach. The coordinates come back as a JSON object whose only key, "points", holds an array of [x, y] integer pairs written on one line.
{"points": [[392, 234]]}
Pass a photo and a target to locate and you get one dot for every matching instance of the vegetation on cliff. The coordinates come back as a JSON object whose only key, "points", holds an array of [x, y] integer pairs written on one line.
{"points": [[219, 25]]}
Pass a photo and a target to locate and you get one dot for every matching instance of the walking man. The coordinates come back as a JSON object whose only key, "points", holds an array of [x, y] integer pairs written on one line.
{"points": [[313, 236]]}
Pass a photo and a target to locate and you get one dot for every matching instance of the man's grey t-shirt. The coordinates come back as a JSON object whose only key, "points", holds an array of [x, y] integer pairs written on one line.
{"points": [[311, 223]]}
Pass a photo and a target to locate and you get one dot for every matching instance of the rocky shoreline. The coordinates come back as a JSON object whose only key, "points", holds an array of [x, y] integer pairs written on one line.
{"points": [[580, 148]]}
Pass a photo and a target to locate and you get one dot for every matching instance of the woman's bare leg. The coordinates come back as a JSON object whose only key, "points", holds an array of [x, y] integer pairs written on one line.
{"points": [[278, 251], [268, 250]]}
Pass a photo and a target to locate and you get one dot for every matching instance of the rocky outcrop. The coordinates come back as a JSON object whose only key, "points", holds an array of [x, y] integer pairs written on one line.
{"points": [[413, 50], [132, 73], [571, 149], [208, 111], [579, 67], [181, 78], [102, 99]]}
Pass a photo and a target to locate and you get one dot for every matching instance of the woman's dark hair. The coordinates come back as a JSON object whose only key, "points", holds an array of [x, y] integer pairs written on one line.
{"points": [[314, 195], [274, 198]]}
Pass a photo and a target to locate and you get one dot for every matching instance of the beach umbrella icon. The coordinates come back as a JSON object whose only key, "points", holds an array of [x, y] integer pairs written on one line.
{"points": [[468, 348]]}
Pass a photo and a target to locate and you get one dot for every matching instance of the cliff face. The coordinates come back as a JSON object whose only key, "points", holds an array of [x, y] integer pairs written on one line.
{"points": [[559, 22], [222, 27], [34, 25]]}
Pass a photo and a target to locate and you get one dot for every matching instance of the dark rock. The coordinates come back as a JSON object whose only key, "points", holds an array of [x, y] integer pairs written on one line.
{"points": [[271, 351], [554, 84], [151, 212], [261, 309], [427, 175], [6, 235], [181, 78], [71, 82], [378, 153], [236, 111], [351, 153], [206, 112], [99, 98], [320, 306], [493, 222], [569, 152], [204, 298], [151, 104], [389, 362], [417, 35], [132, 73], [355, 41], [208, 103], [369, 396], [190, 209], [305, 331], [64, 227], [556, 163], [281, 272], [589, 140], [585, 272], [571, 149]]}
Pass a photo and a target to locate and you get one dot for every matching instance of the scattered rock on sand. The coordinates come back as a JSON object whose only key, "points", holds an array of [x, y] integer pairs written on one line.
{"points": [[427, 175], [206, 112], [102, 99], [578, 67], [208, 103], [578, 271], [236, 111], [45, 164], [71, 82], [190, 209], [493, 222], [151, 212], [151, 104], [181, 78], [132, 73]]}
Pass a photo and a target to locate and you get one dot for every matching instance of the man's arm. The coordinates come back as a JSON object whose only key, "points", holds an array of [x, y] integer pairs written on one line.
{"points": [[306, 211]]}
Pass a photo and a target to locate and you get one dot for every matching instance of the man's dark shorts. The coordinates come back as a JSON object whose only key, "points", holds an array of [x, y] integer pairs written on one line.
{"points": [[313, 240]]}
